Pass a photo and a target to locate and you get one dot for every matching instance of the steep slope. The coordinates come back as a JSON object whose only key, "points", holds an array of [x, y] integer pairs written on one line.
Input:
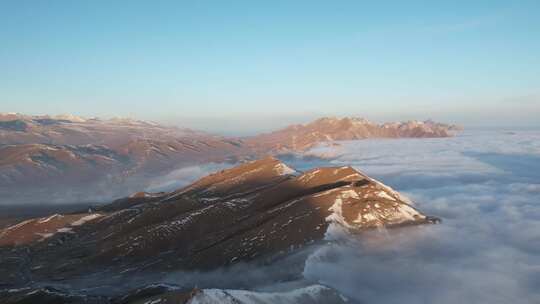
{"points": [[162, 294], [33, 164], [255, 211], [303, 137], [307, 295], [72, 130], [39, 229], [41, 156], [38, 163]]}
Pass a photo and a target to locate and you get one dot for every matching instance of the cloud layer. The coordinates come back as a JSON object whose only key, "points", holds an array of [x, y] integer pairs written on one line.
{"points": [[486, 188], [184, 176], [484, 185]]}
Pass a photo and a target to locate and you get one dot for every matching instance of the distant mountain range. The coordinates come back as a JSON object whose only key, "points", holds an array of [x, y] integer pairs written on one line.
{"points": [[328, 129], [39, 154], [257, 211]]}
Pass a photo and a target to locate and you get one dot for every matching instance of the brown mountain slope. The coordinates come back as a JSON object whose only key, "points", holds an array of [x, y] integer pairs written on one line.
{"points": [[303, 137], [254, 211], [42, 156], [73, 130]]}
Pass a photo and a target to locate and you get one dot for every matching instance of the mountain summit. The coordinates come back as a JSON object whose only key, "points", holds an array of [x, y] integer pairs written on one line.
{"points": [[303, 137], [256, 211], [42, 155]]}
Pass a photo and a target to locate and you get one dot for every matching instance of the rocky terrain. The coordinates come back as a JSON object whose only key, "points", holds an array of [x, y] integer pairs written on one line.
{"points": [[39, 154], [42, 156], [302, 137], [73, 130], [259, 211]]}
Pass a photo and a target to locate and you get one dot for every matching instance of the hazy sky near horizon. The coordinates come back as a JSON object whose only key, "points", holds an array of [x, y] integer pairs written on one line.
{"points": [[235, 65]]}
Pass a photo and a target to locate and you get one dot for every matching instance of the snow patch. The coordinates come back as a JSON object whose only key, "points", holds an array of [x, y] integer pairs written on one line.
{"points": [[45, 220], [311, 294], [283, 169], [83, 220], [349, 194], [338, 227], [44, 235], [385, 195], [407, 213]]}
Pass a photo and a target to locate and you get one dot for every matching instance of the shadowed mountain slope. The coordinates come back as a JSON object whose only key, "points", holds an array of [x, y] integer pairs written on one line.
{"points": [[256, 211]]}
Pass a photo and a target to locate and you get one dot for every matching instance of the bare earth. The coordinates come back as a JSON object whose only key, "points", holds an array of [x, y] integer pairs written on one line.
{"points": [[41, 156], [258, 210]]}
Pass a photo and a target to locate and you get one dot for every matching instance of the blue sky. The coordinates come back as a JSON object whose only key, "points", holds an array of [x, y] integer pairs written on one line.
{"points": [[229, 66]]}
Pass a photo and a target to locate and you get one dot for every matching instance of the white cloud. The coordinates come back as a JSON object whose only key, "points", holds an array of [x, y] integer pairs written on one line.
{"points": [[484, 185], [184, 176], [486, 188]]}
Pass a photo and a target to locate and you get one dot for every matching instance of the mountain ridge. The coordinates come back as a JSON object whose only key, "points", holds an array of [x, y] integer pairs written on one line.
{"points": [[39, 152], [251, 213], [301, 137]]}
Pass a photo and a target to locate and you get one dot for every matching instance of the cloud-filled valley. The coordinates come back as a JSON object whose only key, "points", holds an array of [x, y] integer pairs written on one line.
{"points": [[254, 152], [486, 188]]}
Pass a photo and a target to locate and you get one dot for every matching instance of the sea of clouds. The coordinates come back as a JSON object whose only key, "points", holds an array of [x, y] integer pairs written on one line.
{"points": [[485, 186]]}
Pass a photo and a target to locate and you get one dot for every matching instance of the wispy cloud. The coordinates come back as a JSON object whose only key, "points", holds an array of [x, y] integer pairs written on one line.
{"points": [[462, 25]]}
